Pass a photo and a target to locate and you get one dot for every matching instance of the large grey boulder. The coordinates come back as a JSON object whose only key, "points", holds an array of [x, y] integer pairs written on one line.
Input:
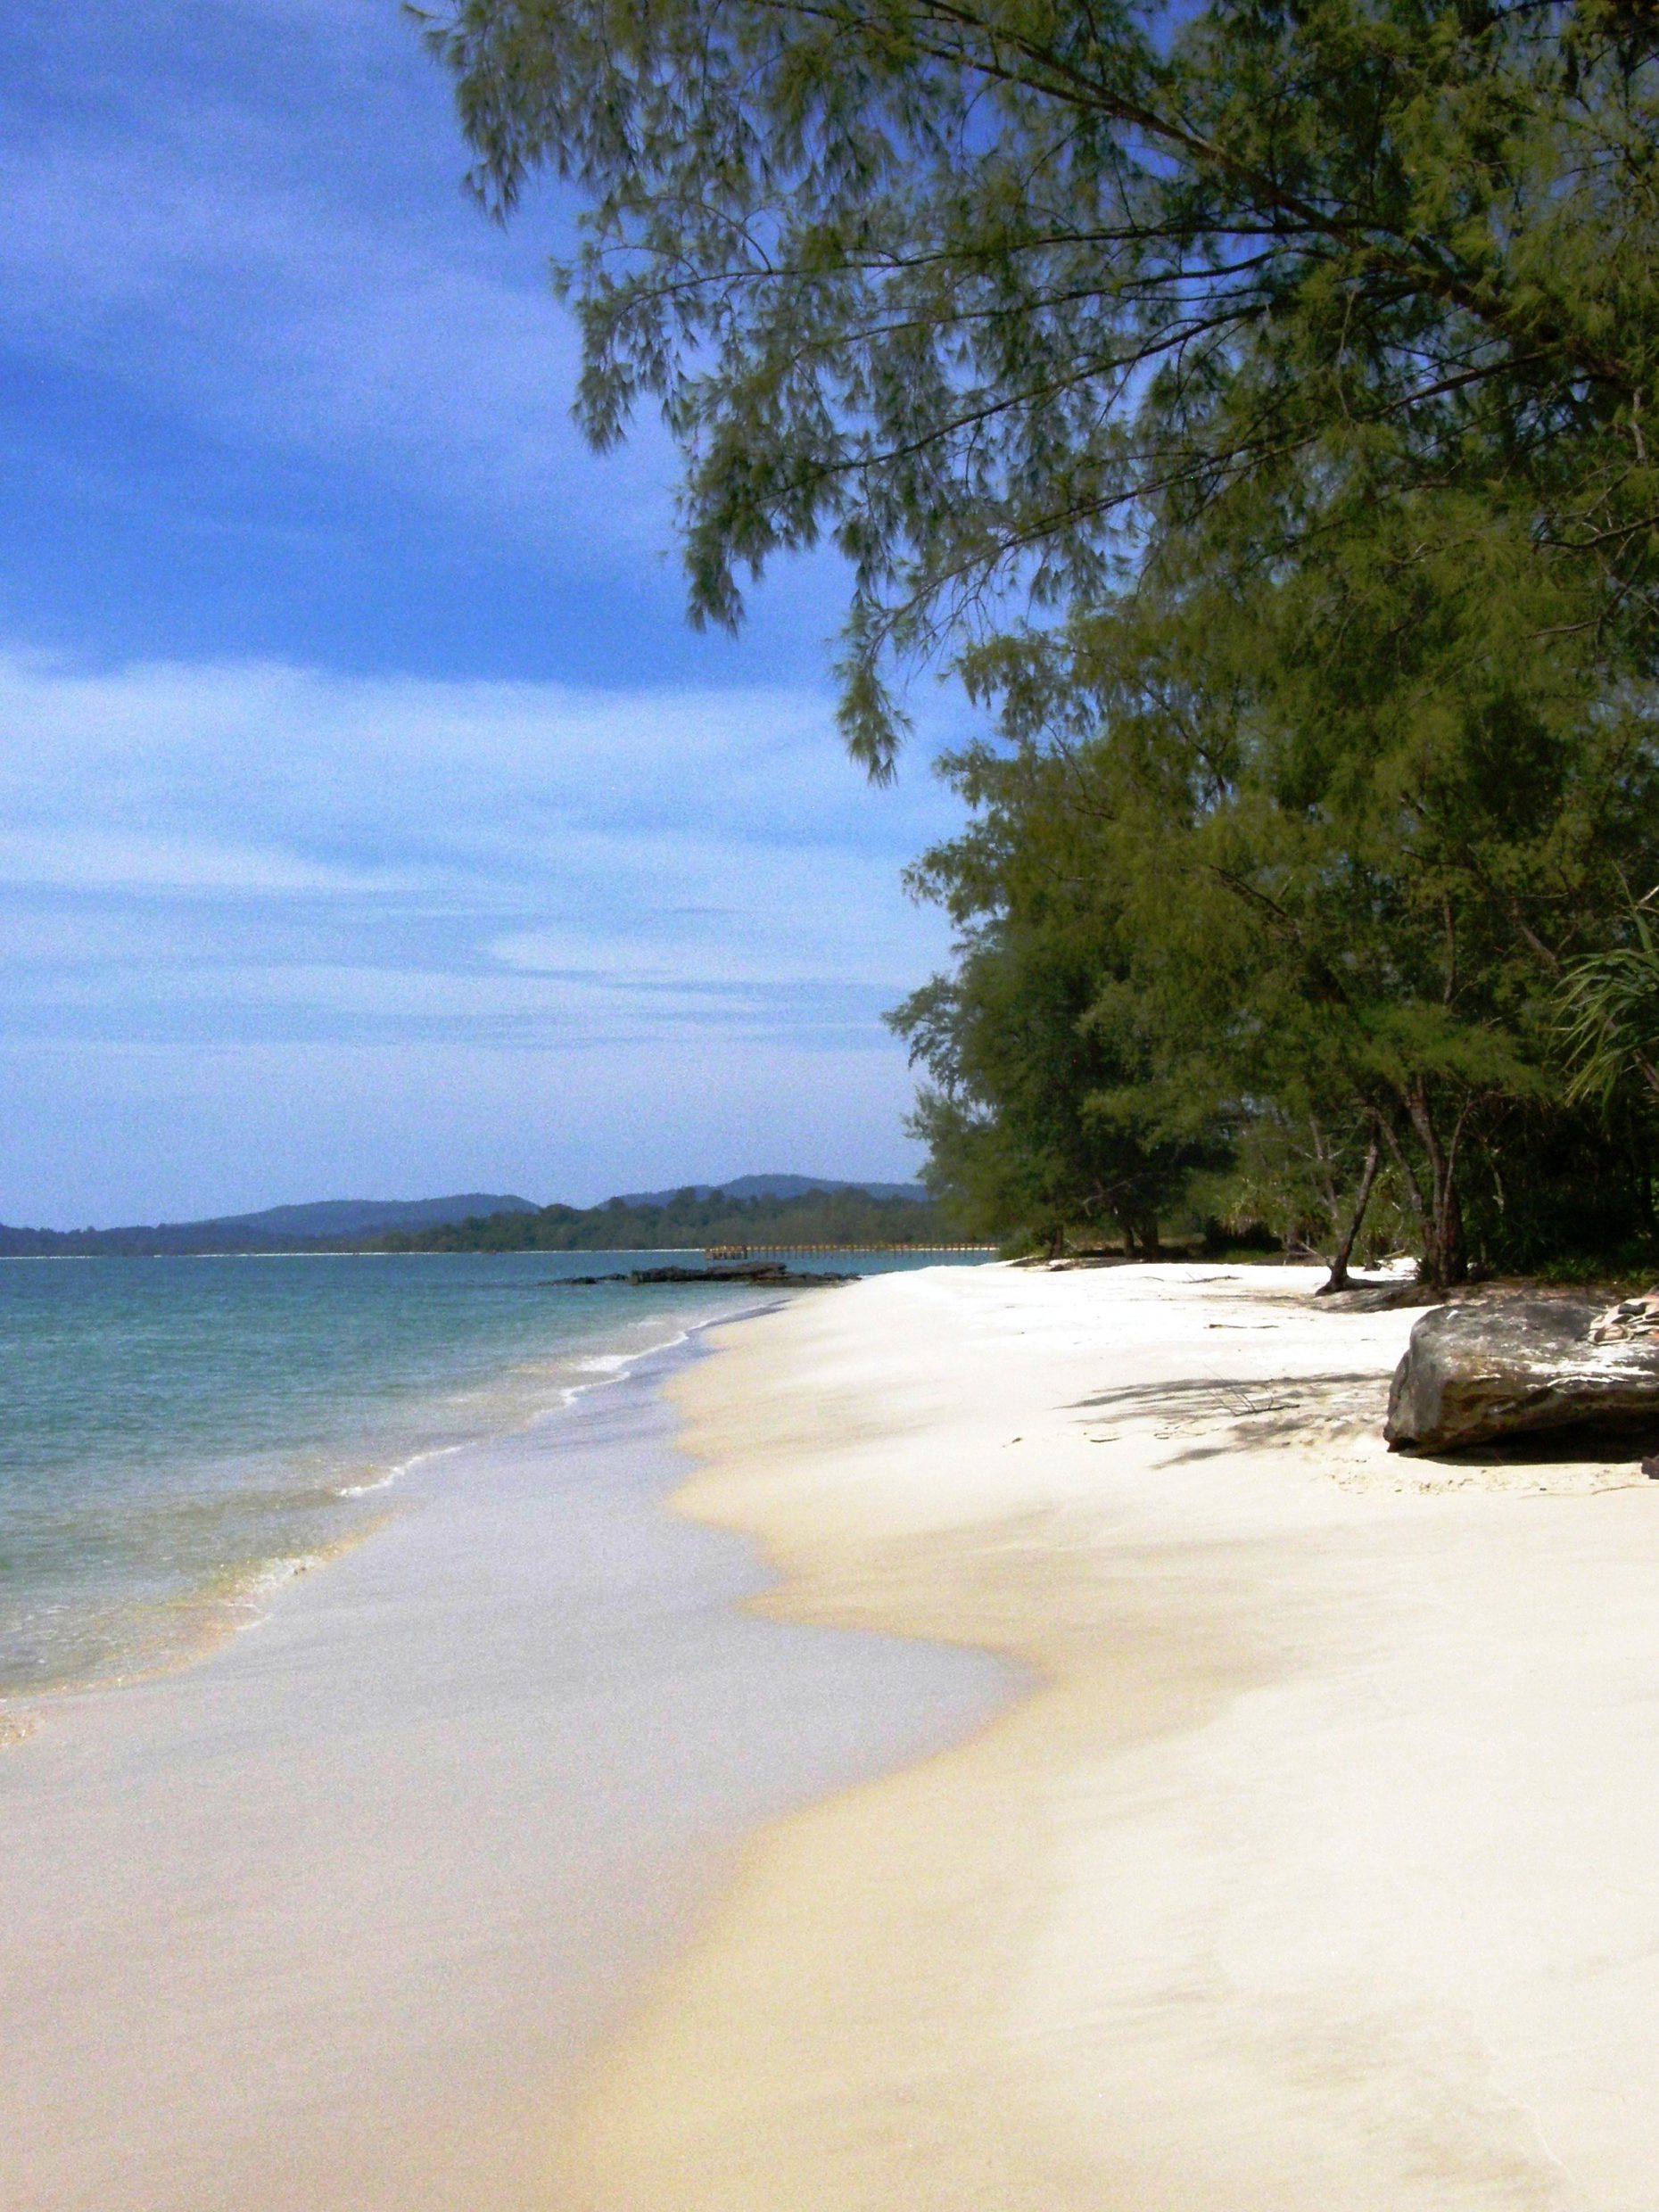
{"points": [[1521, 1366]]}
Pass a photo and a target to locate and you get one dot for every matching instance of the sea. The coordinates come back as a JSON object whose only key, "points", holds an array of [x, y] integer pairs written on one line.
{"points": [[179, 1436]]}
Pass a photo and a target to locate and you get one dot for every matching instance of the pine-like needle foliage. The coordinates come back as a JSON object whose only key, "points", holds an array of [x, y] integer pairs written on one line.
{"points": [[993, 291], [1254, 402]]}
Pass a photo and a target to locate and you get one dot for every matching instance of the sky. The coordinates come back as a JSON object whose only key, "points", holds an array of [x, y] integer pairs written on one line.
{"points": [[373, 824]]}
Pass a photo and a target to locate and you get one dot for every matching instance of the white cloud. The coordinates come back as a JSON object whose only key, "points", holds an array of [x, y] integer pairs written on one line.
{"points": [[153, 1135], [206, 851], [273, 931], [116, 861]]}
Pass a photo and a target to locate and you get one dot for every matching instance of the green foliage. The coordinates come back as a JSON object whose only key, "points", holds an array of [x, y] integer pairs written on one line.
{"points": [[1296, 1183], [1306, 853], [1252, 402], [687, 1221], [1040, 1112], [998, 293], [1610, 1014]]}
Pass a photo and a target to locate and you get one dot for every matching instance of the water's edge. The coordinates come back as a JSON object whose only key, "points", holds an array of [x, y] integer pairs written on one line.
{"points": [[246, 1598], [179, 1439], [402, 1859]]}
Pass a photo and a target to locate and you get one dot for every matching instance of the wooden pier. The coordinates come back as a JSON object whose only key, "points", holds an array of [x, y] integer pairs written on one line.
{"points": [[784, 1251]]}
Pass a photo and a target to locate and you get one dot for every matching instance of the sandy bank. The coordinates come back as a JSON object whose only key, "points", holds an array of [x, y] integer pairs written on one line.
{"points": [[1322, 1869], [316, 1924]]}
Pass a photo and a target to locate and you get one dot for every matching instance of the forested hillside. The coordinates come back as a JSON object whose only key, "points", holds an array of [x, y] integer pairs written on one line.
{"points": [[816, 1217]]}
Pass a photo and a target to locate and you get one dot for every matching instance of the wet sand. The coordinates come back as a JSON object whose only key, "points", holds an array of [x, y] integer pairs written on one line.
{"points": [[1320, 1871], [320, 1923]]}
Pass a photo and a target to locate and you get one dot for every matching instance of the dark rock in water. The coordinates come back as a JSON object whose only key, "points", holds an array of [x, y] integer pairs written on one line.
{"points": [[738, 1271], [1522, 1366], [762, 1271]]}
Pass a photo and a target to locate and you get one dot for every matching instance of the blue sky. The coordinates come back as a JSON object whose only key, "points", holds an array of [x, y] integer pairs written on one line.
{"points": [[373, 824]]}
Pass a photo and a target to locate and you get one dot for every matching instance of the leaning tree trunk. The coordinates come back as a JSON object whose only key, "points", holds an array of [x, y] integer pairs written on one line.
{"points": [[1337, 1280], [1142, 1237], [1450, 1256]]}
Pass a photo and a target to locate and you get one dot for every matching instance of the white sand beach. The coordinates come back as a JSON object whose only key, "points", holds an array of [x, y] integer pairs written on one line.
{"points": [[1320, 1868], [1315, 1865]]}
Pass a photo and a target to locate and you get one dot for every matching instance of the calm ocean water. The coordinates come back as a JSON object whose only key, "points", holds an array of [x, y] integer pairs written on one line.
{"points": [[177, 1435]]}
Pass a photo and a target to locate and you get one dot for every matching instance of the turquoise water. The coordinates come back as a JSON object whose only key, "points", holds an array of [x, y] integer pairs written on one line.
{"points": [[178, 1435]]}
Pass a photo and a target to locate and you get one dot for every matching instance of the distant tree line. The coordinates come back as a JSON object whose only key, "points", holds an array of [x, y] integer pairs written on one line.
{"points": [[687, 1221], [1255, 403]]}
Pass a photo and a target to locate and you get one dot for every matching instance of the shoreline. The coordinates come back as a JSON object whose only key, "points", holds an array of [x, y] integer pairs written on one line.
{"points": [[145, 1521], [324, 1918], [225, 1604], [1316, 1868]]}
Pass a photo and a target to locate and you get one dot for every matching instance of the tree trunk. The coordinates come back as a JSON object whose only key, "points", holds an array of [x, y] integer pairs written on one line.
{"points": [[1450, 1257], [1445, 1262], [1439, 1218], [1337, 1280]]}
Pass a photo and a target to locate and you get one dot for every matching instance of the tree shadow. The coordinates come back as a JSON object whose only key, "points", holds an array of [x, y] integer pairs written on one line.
{"points": [[1226, 1395]]}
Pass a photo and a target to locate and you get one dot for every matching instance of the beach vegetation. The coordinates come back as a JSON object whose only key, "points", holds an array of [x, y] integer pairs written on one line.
{"points": [[1318, 854], [1610, 1012], [994, 294], [1252, 405]]}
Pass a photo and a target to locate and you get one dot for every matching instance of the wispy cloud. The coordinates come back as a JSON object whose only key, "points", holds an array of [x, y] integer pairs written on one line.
{"points": [[201, 850], [279, 405]]}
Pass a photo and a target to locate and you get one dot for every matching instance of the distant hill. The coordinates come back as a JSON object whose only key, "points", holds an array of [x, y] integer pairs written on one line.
{"points": [[774, 1187], [779, 1209], [368, 1217], [820, 1214], [331, 1221]]}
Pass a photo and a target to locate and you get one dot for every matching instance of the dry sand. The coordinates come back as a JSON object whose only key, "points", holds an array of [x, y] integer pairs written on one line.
{"points": [[1318, 1870]]}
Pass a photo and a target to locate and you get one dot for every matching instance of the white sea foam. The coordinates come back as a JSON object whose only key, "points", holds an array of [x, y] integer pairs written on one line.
{"points": [[617, 1367], [371, 1384], [264, 1581], [404, 1466]]}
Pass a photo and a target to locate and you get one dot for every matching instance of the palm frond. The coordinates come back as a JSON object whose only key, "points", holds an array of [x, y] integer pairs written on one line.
{"points": [[1610, 1012]]}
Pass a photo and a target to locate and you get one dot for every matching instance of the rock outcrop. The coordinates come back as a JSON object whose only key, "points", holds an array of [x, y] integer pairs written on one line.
{"points": [[760, 1271], [1492, 1368]]}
